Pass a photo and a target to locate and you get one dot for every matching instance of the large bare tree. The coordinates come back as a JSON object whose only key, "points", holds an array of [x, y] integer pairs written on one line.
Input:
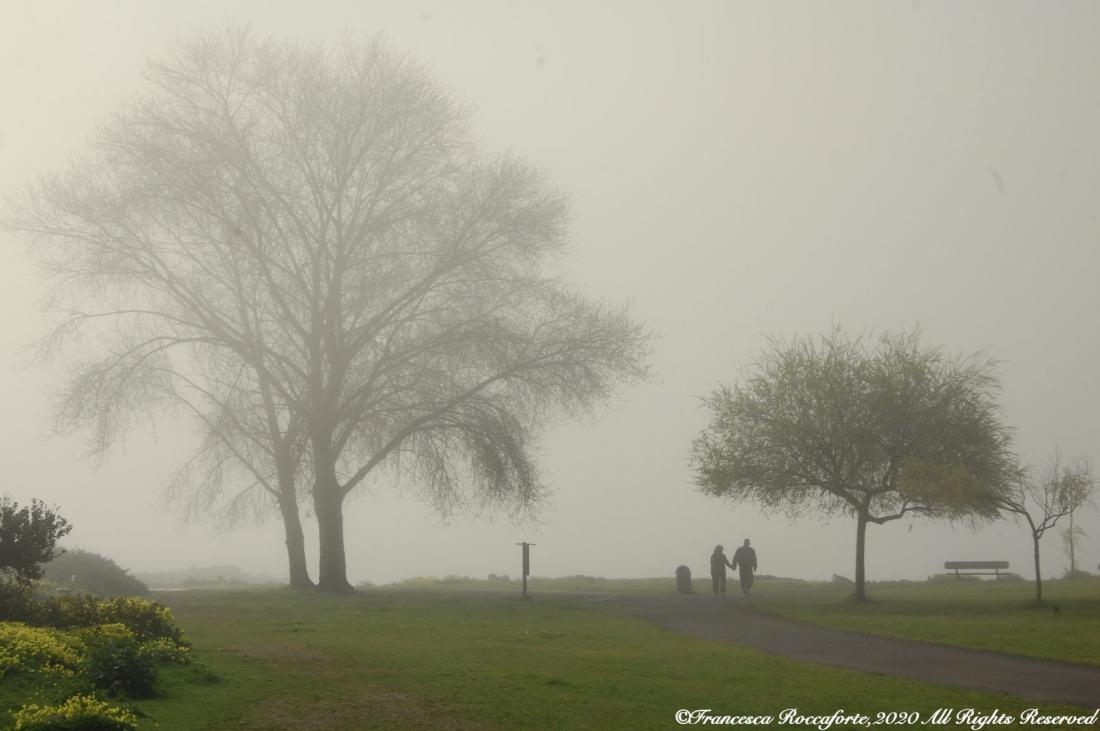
{"points": [[322, 222], [174, 331], [878, 429], [243, 435]]}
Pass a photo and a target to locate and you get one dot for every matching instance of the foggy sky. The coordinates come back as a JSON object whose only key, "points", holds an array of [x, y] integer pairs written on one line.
{"points": [[737, 170]]}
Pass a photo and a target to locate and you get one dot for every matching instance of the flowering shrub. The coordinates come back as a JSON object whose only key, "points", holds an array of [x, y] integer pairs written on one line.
{"points": [[167, 651], [79, 713], [147, 620], [112, 645], [75, 610], [36, 649], [116, 662]]}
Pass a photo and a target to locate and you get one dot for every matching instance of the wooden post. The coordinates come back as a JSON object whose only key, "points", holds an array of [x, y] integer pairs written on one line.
{"points": [[526, 564]]}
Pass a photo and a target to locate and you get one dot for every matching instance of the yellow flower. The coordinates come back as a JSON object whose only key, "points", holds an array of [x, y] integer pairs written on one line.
{"points": [[77, 707], [37, 649]]}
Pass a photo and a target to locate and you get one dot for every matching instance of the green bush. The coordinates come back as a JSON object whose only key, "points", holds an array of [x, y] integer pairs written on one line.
{"points": [[147, 620], [79, 713], [26, 650], [28, 536], [167, 651], [116, 662], [108, 646], [17, 602], [937, 578], [1076, 574], [73, 610], [92, 573]]}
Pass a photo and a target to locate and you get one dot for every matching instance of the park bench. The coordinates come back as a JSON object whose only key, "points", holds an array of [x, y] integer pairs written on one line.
{"points": [[976, 568]]}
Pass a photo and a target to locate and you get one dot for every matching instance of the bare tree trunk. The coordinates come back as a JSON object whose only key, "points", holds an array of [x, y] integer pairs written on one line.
{"points": [[328, 504], [1038, 577], [1072, 546], [332, 572], [861, 541], [295, 543]]}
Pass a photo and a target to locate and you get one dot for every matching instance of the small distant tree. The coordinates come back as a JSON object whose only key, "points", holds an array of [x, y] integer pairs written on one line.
{"points": [[28, 536], [1043, 502], [1071, 542], [875, 430]]}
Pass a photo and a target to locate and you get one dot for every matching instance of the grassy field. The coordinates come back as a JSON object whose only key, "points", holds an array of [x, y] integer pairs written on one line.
{"points": [[450, 653], [986, 615], [539, 584], [476, 660]]}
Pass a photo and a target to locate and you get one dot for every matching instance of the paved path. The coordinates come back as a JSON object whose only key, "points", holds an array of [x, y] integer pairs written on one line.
{"points": [[729, 619]]}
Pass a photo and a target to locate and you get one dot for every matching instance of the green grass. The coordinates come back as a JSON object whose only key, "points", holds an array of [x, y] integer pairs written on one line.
{"points": [[987, 615], [460, 657], [404, 659], [537, 584], [981, 614]]}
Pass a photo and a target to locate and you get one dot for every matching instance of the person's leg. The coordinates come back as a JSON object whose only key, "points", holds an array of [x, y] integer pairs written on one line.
{"points": [[722, 582], [714, 583]]}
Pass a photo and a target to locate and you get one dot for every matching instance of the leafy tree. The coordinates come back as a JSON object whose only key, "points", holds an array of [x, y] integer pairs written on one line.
{"points": [[876, 428], [310, 247], [1042, 503], [28, 536]]}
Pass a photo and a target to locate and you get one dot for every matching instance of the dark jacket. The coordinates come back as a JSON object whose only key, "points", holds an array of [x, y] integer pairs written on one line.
{"points": [[745, 557]]}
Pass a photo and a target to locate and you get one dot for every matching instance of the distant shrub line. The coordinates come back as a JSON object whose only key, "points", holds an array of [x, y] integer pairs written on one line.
{"points": [[90, 573]]}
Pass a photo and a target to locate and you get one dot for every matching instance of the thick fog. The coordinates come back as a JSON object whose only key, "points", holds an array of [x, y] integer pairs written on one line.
{"points": [[737, 170]]}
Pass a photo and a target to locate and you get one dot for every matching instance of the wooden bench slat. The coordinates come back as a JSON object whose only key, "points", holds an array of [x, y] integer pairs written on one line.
{"points": [[975, 564], [970, 568]]}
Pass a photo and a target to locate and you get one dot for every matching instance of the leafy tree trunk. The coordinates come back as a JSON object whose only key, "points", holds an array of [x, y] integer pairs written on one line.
{"points": [[295, 543], [1038, 577], [861, 541]]}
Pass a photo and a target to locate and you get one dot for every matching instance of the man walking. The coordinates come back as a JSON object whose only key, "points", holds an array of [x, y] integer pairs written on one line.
{"points": [[745, 558]]}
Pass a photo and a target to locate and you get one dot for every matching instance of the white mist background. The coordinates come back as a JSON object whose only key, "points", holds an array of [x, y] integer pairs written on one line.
{"points": [[736, 171]]}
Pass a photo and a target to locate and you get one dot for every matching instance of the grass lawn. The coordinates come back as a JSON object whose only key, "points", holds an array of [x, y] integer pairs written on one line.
{"points": [[982, 614], [474, 660], [988, 615]]}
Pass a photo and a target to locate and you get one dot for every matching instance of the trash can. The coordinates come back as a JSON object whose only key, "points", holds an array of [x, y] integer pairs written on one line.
{"points": [[683, 580]]}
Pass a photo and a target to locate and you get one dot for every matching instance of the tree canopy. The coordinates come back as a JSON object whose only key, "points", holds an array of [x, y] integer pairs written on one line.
{"points": [[873, 427], [28, 538], [309, 247]]}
